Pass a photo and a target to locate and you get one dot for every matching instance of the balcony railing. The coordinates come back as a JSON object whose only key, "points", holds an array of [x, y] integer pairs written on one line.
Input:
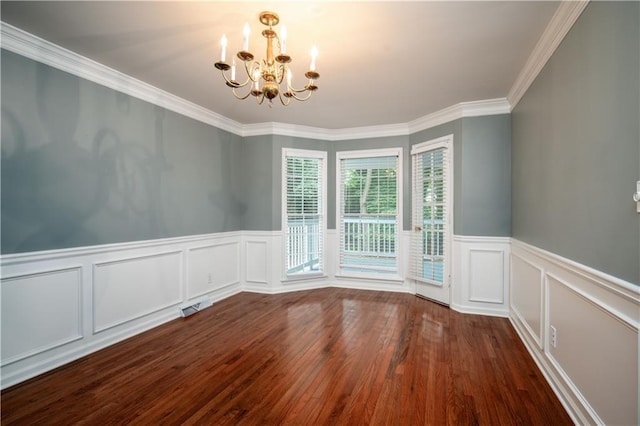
{"points": [[368, 243], [304, 241]]}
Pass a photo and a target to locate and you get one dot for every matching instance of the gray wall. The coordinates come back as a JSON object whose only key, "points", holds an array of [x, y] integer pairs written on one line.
{"points": [[576, 141], [258, 183], [485, 178], [482, 185], [84, 165], [481, 173], [262, 181]]}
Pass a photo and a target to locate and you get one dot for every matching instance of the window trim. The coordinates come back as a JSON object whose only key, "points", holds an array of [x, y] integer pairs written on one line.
{"points": [[371, 153], [314, 154]]}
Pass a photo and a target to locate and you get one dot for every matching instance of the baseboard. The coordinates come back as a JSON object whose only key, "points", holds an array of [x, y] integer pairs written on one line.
{"points": [[475, 310]]}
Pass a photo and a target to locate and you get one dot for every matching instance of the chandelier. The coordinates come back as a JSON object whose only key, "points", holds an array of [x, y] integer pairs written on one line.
{"points": [[266, 78]]}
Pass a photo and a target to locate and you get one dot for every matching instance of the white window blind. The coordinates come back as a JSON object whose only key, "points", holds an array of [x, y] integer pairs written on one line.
{"points": [[430, 204], [369, 189], [304, 220]]}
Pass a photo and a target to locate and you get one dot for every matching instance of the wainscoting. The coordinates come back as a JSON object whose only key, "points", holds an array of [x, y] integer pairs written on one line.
{"points": [[60, 305], [593, 365], [481, 275]]}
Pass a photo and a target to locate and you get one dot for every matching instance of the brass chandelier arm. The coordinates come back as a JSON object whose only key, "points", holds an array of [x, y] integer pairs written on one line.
{"points": [[233, 90], [304, 89], [283, 71], [250, 67], [282, 100], [301, 98], [232, 83]]}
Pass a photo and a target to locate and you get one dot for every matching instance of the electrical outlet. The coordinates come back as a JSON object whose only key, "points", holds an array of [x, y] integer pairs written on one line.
{"points": [[554, 336], [210, 278]]}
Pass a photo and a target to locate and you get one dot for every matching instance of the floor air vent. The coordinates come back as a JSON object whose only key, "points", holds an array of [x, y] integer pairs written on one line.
{"points": [[196, 307]]}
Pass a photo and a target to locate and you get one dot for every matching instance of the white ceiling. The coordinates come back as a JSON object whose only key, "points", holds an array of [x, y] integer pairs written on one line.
{"points": [[380, 62]]}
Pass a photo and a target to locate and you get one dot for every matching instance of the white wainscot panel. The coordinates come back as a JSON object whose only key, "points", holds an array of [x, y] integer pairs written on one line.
{"points": [[526, 295], [486, 276], [596, 351], [212, 267], [40, 311], [256, 262], [131, 288], [480, 275]]}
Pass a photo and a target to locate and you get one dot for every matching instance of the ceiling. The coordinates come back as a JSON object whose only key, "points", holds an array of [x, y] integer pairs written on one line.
{"points": [[380, 62]]}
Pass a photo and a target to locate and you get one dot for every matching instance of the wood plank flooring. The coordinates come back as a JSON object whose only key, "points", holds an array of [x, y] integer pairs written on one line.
{"points": [[320, 357]]}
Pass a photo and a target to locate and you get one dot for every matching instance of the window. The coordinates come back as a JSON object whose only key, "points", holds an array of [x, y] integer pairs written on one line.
{"points": [[370, 204], [304, 211]]}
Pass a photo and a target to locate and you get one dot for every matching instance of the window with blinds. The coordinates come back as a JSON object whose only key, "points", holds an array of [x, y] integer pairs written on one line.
{"points": [[304, 210], [429, 244], [369, 186]]}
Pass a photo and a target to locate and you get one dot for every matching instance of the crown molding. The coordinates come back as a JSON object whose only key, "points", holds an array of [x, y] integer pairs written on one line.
{"points": [[454, 112], [284, 129], [38, 49], [382, 131], [463, 109], [563, 19], [43, 51]]}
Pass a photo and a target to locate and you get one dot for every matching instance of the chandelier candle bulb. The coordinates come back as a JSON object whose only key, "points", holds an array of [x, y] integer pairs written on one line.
{"points": [[256, 79], [314, 55], [245, 39], [233, 70], [223, 51]]}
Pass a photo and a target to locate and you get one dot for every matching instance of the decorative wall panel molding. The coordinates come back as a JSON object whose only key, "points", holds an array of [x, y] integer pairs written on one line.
{"points": [[130, 288], [257, 261], [527, 297], [480, 281], [212, 267], [583, 336], [30, 302], [486, 275]]}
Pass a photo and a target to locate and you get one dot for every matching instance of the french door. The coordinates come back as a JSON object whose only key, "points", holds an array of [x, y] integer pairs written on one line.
{"points": [[432, 211]]}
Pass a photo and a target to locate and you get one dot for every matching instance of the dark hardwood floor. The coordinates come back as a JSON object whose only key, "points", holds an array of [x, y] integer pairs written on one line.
{"points": [[331, 356]]}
